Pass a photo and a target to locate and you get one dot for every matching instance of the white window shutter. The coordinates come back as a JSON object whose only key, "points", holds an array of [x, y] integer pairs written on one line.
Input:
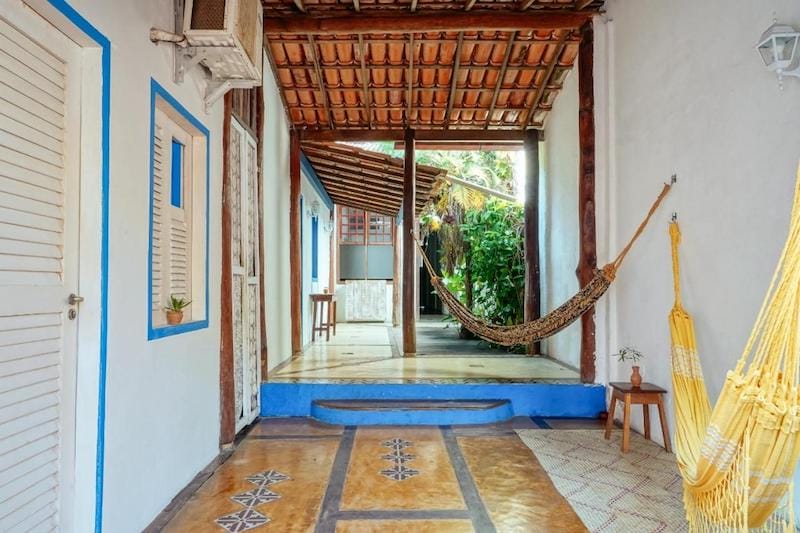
{"points": [[160, 169]]}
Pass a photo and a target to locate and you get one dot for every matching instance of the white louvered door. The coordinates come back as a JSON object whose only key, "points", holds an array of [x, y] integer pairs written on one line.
{"points": [[245, 267], [40, 72]]}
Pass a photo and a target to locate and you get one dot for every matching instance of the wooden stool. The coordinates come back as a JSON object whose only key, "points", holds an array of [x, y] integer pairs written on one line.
{"points": [[325, 323], [643, 395]]}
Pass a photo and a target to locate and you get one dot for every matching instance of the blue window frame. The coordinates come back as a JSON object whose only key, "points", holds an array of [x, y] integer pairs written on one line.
{"points": [[176, 183], [314, 248]]}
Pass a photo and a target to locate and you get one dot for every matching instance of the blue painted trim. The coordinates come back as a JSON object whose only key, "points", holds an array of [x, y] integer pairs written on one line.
{"points": [[176, 175], [411, 417], [102, 41], [153, 333], [315, 249], [311, 174], [527, 399]]}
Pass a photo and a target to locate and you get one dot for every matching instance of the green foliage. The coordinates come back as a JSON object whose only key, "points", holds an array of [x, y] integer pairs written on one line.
{"points": [[177, 304], [628, 353], [495, 234]]}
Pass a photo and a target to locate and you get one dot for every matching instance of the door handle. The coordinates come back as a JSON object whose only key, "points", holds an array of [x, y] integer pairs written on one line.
{"points": [[74, 299]]}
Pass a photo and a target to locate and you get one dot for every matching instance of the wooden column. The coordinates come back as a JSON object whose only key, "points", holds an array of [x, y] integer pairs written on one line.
{"points": [[532, 282], [586, 204], [295, 257], [409, 248], [258, 94], [227, 431]]}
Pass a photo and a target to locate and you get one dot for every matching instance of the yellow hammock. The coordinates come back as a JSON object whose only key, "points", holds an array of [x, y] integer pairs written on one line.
{"points": [[554, 321], [737, 461]]}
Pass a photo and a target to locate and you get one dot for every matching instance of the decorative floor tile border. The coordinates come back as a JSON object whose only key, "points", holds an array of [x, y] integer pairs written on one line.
{"points": [[248, 518], [399, 471]]}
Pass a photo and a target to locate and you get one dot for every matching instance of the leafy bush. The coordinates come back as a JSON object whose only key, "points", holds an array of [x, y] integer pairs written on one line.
{"points": [[497, 258]]}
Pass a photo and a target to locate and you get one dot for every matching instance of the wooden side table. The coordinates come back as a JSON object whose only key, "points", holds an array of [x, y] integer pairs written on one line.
{"points": [[318, 301], [644, 395]]}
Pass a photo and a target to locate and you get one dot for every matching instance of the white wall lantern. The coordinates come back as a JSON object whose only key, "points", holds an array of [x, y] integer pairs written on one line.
{"points": [[313, 210], [779, 50]]}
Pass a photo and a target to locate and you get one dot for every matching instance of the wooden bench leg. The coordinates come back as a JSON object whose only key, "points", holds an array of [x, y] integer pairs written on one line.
{"points": [[327, 322], [626, 424], [664, 430], [610, 419], [646, 412], [334, 318]]}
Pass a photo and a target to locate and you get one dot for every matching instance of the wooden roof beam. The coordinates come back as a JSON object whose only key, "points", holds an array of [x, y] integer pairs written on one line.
{"points": [[476, 135], [410, 75], [356, 5], [413, 5], [425, 22], [454, 81], [500, 78], [365, 75], [320, 80], [300, 5], [469, 5]]}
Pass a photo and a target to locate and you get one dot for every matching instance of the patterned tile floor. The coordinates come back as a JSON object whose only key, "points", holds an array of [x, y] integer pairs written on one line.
{"points": [[297, 475]]}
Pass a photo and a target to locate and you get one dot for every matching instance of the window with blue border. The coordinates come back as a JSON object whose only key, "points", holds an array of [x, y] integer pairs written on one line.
{"points": [[179, 230], [314, 248]]}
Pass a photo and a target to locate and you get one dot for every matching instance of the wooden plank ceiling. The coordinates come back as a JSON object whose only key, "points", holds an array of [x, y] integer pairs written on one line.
{"points": [[364, 179], [378, 65]]}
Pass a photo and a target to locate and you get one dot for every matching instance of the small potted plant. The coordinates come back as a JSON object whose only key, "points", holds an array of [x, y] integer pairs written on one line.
{"points": [[633, 355], [175, 310]]}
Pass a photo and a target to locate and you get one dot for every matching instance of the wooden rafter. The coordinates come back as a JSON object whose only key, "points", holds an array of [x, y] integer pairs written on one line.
{"points": [[413, 5], [424, 22], [500, 78], [453, 80], [320, 81], [526, 4], [551, 67], [469, 5], [583, 4], [356, 5], [300, 5], [428, 40], [365, 75]]}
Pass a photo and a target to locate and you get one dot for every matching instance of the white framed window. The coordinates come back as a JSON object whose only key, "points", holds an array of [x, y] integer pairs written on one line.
{"points": [[178, 258]]}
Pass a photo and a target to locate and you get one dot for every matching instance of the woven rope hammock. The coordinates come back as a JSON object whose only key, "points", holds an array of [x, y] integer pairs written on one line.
{"points": [[554, 321], [737, 460]]}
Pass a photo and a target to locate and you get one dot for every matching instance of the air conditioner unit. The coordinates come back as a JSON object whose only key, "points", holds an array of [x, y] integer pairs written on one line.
{"points": [[228, 37]]}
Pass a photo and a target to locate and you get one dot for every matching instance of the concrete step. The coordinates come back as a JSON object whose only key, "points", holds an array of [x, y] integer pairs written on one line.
{"points": [[420, 412]]}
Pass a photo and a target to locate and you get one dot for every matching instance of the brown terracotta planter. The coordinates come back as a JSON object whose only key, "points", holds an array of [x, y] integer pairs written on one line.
{"points": [[174, 317], [636, 377]]}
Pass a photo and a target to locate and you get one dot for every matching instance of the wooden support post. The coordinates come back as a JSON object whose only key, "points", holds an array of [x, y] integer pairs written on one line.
{"points": [[295, 257], [227, 431], [532, 281], [409, 248], [586, 204]]}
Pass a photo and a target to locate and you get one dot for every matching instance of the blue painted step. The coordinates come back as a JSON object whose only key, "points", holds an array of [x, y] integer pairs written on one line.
{"points": [[410, 412], [565, 400]]}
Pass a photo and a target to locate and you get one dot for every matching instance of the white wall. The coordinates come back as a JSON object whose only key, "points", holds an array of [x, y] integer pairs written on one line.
{"points": [[276, 225], [323, 279], [559, 213], [162, 397]]}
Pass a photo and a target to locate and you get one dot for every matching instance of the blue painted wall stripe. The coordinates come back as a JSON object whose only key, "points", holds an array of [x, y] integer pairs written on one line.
{"points": [[153, 333], [102, 41], [315, 249], [311, 174]]}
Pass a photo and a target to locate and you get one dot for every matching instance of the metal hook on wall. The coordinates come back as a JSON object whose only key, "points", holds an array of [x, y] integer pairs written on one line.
{"points": [[674, 217], [673, 179]]}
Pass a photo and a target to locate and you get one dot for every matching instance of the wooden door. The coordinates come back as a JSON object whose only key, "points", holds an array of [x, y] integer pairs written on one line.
{"points": [[245, 268], [40, 81]]}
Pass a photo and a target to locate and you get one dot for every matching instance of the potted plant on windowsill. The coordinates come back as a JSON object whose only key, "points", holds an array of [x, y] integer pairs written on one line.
{"points": [[175, 310], [633, 355]]}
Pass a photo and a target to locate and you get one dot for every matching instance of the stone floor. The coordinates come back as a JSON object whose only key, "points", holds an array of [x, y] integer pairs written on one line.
{"points": [[298, 475], [369, 352]]}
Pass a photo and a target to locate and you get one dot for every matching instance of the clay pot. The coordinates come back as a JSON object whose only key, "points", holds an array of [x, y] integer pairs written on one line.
{"points": [[636, 377], [176, 317]]}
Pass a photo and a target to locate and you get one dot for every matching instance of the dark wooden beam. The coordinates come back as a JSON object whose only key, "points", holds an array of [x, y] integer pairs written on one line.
{"points": [[259, 96], [583, 4], [409, 249], [356, 5], [500, 77], [320, 81], [551, 67], [587, 263], [295, 253], [226, 381], [410, 75], [469, 5], [421, 135], [425, 22], [454, 80], [532, 276], [464, 146], [300, 5], [413, 5], [365, 76]]}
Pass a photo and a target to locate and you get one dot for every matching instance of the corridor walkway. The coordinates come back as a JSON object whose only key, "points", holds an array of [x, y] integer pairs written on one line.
{"points": [[369, 352]]}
